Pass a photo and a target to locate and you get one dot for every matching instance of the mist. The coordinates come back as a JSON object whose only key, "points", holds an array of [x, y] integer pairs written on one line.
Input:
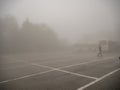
{"points": [[59, 44], [72, 21]]}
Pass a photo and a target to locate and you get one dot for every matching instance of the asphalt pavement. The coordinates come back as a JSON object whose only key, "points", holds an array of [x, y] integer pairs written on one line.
{"points": [[59, 71]]}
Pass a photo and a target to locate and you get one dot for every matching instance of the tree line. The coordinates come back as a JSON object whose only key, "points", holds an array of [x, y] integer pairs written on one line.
{"points": [[27, 37]]}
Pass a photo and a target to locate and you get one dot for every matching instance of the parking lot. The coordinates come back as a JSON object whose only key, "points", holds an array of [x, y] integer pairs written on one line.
{"points": [[59, 71]]}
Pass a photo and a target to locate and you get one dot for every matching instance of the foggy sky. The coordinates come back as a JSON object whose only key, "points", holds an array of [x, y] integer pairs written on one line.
{"points": [[75, 20]]}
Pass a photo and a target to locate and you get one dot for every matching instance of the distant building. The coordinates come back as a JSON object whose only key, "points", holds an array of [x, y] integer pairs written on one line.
{"points": [[110, 46], [114, 46]]}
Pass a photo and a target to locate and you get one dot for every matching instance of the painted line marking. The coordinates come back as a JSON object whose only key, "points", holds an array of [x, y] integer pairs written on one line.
{"points": [[82, 63], [85, 63], [99, 79], [57, 69], [53, 69], [76, 74], [31, 75]]}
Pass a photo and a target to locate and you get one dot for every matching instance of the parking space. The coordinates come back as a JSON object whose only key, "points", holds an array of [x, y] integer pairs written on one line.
{"points": [[65, 73], [111, 82], [16, 70], [53, 80], [96, 69], [59, 63]]}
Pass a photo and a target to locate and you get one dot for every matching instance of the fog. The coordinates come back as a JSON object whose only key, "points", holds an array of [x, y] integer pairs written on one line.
{"points": [[73, 21], [59, 44]]}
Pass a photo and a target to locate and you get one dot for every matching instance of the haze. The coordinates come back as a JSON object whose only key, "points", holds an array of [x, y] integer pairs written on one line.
{"points": [[74, 20]]}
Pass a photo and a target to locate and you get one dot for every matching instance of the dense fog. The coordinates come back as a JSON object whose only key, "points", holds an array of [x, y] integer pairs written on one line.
{"points": [[43, 25]]}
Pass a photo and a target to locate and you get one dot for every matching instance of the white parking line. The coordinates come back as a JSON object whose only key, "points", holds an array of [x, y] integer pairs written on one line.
{"points": [[31, 75], [85, 63], [57, 69], [99, 79], [76, 74], [53, 69]]}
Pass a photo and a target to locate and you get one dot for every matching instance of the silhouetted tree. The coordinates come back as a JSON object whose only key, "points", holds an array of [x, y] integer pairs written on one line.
{"points": [[38, 36], [30, 37]]}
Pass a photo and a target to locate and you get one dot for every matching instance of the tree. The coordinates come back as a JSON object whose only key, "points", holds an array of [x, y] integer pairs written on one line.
{"points": [[9, 31], [30, 37], [38, 36]]}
